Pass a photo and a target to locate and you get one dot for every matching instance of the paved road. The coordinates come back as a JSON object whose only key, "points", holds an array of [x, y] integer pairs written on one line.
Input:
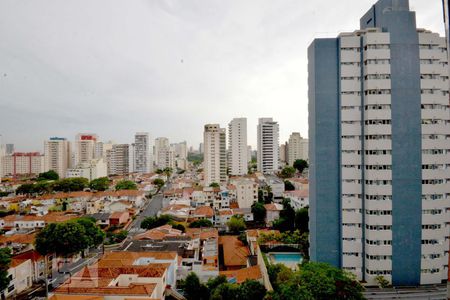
{"points": [[152, 208]]}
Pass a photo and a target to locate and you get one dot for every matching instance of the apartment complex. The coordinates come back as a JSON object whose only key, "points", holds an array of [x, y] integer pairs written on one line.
{"points": [[119, 159], [20, 163], [215, 157], [297, 148], [85, 147], [268, 145], [237, 146], [143, 148], [57, 155], [379, 160]]}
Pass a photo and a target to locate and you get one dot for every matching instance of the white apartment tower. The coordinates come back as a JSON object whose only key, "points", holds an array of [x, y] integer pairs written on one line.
{"points": [[143, 158], [119, 159], [160, 142], [85, 147], [57, 155], [215, 155], [379, 149], [237, 146], [296, 148], [268, 146], [166, 157]]}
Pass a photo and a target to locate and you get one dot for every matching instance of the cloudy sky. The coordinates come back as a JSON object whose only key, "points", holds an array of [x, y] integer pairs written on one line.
{"points": [[168, 67]]}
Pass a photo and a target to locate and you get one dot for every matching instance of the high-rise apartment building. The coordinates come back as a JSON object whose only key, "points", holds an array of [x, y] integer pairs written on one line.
{"points": [[86, 147], [161, 142], [297, 148], [166, 157], [57, 155], [143, 148], [215, 155], [19, 163], [379, 149], [119, 159], [268, 145], [180, 150], [237, 146]]}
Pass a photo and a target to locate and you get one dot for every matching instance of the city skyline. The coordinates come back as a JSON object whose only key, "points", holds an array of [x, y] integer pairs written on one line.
{"points": [[115, 83]]}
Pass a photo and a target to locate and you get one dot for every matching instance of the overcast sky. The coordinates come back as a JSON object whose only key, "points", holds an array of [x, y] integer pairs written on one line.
{"points": [[168, 67]]}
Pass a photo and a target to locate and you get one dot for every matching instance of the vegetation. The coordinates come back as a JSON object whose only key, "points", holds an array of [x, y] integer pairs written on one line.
{"points": [[201, 223], [218, 288], [259, 212], [302, 219], [287, 172], [214, 185], [5, 262], [100, 184], [126, 185], [236, 224], [115, 238], [71, 184], [153, 222], [300, 165], [49, 175], [286, 221], [159, 183], [382, 282], [288, 186], [195, 158], [319, 281], [168, 172], [68, 238], [179, 227]]}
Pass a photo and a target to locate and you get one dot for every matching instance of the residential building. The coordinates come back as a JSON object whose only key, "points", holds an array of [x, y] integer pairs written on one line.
{"points": [[296, 148], [180, 150], [284, 153], [246, 192], [85, 147], [268, 145], [21, 163], [378, 129], [57, 155], [161, 142], [21, 274], [119, 163], [94, 169], [237, 146], [215, 156], [166, 157], [9, 149], [143, 148]]}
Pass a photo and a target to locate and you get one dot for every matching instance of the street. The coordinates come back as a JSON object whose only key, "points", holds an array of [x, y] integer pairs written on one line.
{"points": [[152, 208]]}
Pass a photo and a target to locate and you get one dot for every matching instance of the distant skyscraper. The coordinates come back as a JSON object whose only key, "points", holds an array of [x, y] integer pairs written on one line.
{"points": [[297, 148], [215, 158], [119, 159], [85, 147], [237, 146], [201, 148], [143, 148], [57, 155], [180, 150], [378, 130], [268, 146], [161, 142]]}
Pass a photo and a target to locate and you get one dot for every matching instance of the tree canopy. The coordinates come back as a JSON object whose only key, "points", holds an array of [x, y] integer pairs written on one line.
{"points": [[159, 183], [5, 262], [49, 175], [286, 221], [71, 184], [300, 165], [236, 224], [214, 185], [259, 211], [126, 185], [201, 223], [288, 186], [153, 222], [100, 184], [287, 172]]}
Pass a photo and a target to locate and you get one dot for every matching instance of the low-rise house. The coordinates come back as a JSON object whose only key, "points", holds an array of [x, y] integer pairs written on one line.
{"points": [[119, 218], [241, 275], [272, 212], [276, 185], [179, 212], [18, 242], [202, 212], [30, 222], [159, 233], [235, 253], [222, 217], [37, 263], [21, 274], [245, 213], [299, 198], [135, 197], [118, 206], [101, 219]]}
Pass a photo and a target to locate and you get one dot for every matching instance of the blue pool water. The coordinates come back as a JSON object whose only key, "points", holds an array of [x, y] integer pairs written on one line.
{"points": [[286, 257]]}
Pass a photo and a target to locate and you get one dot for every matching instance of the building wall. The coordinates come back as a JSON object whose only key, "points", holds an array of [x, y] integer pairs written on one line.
{"points": [[215, 161], [237, 146], [143, 150], [268, 145], [119, 159], [57, 155]]}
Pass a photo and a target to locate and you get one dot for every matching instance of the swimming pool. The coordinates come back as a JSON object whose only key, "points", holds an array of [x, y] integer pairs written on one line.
{"points": [[286, 257]]}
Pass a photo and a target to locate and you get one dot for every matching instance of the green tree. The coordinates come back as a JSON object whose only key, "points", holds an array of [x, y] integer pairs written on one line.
{"points": [[159, 183], [64, 239], [71, 184], [159, 171], [236, 224], [382, 282], [260, 196], [25, 189], [288, 186], [126, 185], [259, 211], [193, 289], [214, 185], [201, 223], [213, 283], [300, 165], [226, 291], [287, 172], [153, 222], [302, 219], [286, 222], [100, 184], [5, 262], [252, 289], [43, 187], [49, 175], [179, 227], [168, 172], [95, 236]]}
